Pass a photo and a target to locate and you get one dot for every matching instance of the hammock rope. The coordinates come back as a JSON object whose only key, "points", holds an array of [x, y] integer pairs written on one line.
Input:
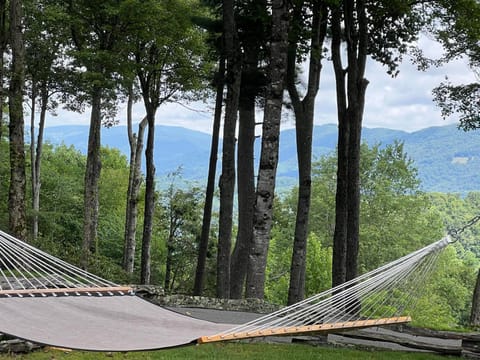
{"points": [[379, 297], [26, 270]]}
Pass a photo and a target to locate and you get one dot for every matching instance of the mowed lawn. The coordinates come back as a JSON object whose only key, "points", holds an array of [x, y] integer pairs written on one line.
{"points": [[235, 351]]}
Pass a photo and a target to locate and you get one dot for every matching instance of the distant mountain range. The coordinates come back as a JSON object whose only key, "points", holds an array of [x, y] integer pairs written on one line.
{"points": [[448, 159]]}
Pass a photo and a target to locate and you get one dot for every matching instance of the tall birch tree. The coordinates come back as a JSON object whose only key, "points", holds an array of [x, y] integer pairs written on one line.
{"points": [[262, 223]]}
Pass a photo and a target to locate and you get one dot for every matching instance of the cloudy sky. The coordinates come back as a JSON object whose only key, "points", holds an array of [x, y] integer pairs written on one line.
{"points": [[402, 103]]}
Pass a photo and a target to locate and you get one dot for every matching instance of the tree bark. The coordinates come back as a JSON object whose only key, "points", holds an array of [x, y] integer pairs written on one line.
{"points": [[252, 83], [227, 179], [475, 312], [3, 44], [269, 152], [168, 283], [245, 176], [304, 117], [17, 191], [92, 177], [340, 234], [134, 182], [357, 50], [350, 107], [36, 156], [149, 199], [212, 168], [33, 168]]}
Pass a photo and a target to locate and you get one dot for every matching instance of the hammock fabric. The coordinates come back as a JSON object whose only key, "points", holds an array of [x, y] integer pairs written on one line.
{"points": [[107, 323]]}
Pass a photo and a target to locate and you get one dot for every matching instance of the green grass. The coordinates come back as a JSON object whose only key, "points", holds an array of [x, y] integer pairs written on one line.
{"points": [[234, 351]]}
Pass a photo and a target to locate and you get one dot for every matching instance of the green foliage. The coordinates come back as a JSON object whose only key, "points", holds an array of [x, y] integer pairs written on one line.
{"points": [[164, 48], [112, 189], [390, 203], [319, 266], [446, 298], [456, 27], [61, 208], [318, 274], [180, 217], [61, 196]]}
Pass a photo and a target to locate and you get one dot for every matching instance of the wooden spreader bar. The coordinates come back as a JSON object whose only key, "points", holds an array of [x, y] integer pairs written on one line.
{"points": [[80, 290], [332, 327]]}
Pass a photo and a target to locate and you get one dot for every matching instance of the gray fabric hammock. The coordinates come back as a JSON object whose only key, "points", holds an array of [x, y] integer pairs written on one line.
{"points": [[106, 323]]}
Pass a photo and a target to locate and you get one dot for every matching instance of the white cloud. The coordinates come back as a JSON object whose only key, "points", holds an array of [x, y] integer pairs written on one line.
{"points": [[403, 103]]}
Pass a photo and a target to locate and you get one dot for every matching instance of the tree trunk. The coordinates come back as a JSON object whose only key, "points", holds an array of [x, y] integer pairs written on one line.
{"points": [[92, 177], [17, 191], [350, 115], [340, 234], [475, 312], [149, 199], [269, 152], [353, 197], [357, 50], [3, 45], [212, 168], [304, 117], [33, 168], [227, 179], [245, 177], [37, 158], [134, 182], [168, 283]]}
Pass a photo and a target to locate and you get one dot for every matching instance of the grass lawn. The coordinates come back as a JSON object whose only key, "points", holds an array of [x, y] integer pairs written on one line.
{"points": [[235, 351]]}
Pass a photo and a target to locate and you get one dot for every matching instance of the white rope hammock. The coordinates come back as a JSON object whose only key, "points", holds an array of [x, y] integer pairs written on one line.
{"points": [[383, 296]]}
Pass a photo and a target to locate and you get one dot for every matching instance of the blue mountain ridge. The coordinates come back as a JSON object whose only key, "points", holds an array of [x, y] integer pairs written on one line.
{"points": [[447, 159]]}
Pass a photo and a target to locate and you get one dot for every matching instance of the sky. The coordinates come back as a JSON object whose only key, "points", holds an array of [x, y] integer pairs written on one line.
{"points": [[402, 103]]}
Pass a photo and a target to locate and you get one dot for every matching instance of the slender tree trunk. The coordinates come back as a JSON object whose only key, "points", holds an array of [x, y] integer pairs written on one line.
{"points": [[134, 182], [357, 50], [17, 191], [92, 176], [2, 95], [33, 168], [475, 312], [246, 184], [37, 159], [149, 199], [212, 168], [3, 44], [340, 234], [227, 179], [168, 283], [304, 117], [353, 199], [269, 152]]}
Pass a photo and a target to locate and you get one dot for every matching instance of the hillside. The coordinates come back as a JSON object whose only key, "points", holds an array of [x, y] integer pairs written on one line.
{"points": [[448, 160]]}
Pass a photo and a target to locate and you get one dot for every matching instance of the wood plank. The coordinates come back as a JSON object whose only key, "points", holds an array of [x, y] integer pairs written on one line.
{"points": [[305, 329], [81, 290]]}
